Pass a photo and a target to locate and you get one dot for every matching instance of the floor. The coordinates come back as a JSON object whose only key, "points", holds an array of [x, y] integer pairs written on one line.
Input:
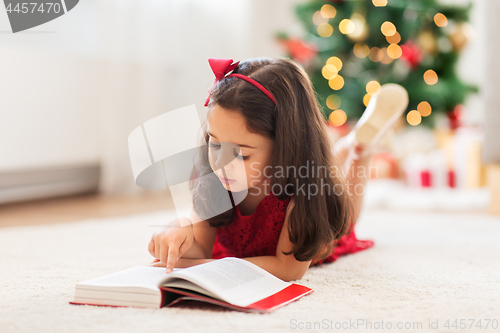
{"points": [[427, 271], [81, 207]]}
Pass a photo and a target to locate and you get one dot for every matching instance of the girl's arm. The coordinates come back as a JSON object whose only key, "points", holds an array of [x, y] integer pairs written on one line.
{"points": [[285, 267], [204, 239]]}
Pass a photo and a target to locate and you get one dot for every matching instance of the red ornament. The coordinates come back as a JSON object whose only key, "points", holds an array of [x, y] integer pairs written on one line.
{"points": [[455, 117], [411, 54], [300, 50]]}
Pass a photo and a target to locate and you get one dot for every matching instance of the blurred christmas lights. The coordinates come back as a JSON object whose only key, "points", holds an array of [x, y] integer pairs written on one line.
{"points": [[337, 118], [346, 26], [333, 102], [430, 77], [413, 117], [328, 11]]}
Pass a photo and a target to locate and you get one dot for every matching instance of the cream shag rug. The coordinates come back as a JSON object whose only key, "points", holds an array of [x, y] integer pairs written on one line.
{"points": [[424, 267]]}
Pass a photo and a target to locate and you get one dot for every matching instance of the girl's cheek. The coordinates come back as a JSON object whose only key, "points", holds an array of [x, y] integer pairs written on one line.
{"points": [[254, 177]]}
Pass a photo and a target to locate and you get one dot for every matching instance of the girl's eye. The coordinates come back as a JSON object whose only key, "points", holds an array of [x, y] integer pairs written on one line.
{"points": [[241, 157], [213, 145]]}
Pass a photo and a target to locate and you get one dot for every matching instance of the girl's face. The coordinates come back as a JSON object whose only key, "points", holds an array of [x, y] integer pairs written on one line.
{"points": [[246, 167]]}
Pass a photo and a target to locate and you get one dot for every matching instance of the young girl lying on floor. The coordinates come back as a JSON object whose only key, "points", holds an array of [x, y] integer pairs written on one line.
{"points": [[287, 221]]}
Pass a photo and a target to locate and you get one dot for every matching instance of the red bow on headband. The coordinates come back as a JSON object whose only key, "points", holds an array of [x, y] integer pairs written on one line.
{"points": [[221, 67]]}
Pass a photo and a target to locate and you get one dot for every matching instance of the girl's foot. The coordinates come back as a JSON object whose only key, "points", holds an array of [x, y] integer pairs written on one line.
{"points": [[380, 115]]}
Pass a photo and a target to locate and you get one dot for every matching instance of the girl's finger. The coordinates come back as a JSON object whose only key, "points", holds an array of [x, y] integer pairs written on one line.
{"points": [[157, 250], [158, 264], [173, 253], [156, 260], [151, 247]]}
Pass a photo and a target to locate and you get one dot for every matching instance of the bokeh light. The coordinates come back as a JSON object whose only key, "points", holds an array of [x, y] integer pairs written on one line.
{"points": [[413, 118], [366, 99], [329, 71], [328, 11], [394, 51], [430, 77], [372, 87], [379, 3], [424, 108], [374, 54], [361, 50], [319, 19], [337, 118], [336, 83], [384, 57], [440, 20], [333, 102], [325, 30], [346, 26], [394, 39], [335, 61], [388, 28]]}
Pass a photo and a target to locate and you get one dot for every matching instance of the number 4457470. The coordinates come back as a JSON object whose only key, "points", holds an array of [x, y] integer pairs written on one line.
{"points": [[31, 7], [470, 323]]}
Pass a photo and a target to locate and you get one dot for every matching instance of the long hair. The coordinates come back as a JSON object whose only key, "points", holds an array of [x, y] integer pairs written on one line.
{"points": [[298, 129]]}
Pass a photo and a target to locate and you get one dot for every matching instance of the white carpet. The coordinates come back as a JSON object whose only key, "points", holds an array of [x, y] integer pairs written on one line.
{"points": [[424, 267]]}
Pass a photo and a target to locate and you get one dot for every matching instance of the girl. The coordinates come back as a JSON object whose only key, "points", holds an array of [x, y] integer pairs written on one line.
{"points": [[289, 220]]}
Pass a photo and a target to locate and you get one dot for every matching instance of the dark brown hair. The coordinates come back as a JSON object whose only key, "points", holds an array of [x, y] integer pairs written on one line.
{"points": [[298, 129]]}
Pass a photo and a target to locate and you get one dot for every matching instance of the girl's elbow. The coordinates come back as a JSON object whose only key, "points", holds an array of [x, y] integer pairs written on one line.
{"points": [[295, 275]]}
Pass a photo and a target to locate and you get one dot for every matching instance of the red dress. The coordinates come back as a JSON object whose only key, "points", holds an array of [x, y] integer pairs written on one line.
{"points": [[258, 234]]}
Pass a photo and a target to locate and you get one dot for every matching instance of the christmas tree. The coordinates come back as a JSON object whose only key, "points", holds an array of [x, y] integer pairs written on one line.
{"points": [[353, 47]]}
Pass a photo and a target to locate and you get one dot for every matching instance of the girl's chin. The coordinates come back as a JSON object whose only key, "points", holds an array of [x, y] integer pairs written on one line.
{"points": [[234, 187]]}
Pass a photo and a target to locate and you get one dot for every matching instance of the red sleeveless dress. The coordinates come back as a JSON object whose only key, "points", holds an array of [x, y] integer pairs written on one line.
{"points": [[258, 234]]}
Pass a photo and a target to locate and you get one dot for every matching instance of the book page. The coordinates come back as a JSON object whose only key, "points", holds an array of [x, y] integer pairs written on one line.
{"points": [[234, 280], [139, 276]]}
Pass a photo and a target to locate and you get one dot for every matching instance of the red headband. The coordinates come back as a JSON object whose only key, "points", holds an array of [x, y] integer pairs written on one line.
{"points": [[221, 67]]}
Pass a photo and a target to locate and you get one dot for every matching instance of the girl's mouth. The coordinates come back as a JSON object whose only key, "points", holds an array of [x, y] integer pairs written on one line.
{"points": [[226, 181]]}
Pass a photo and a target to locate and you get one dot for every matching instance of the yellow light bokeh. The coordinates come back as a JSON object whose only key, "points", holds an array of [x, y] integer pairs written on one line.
{"points": [[394, 51], [336, 83], [430, 77], [333, 102], [414, 118], [346, 26], [440, 20], [384, 57], [361, 50], [329, 71], [424, 108], [328, 11], [394, 39], [366, 99], [388, 28], [335, 61], [337, 118], [325, 30], [379, 3], [318, 18], [374, 54], [372, 87]]}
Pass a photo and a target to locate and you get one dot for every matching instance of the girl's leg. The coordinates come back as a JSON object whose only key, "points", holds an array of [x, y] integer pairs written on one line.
{"points": [[356, 170], [381, 113]]}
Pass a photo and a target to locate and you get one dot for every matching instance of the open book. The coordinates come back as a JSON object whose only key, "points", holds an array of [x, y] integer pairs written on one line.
{"points": [[231, 282]]}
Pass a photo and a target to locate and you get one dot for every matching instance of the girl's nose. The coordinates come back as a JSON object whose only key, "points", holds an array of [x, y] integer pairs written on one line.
{"points": [[224, 155]]}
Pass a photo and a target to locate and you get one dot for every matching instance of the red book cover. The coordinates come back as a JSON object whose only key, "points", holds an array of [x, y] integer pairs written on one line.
{"points": [[266, 305]]}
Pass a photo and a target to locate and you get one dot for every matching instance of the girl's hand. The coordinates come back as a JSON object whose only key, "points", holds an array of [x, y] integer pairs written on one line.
{"points": [[169, 244]]}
